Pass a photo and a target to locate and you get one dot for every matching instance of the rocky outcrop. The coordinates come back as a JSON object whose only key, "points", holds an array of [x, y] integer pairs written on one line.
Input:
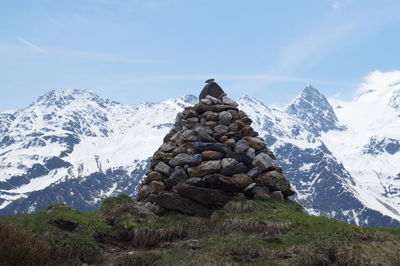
{"points": [[210, 156]]}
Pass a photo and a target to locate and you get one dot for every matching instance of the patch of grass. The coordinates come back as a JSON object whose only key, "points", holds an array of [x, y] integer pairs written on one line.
{"points": [[72, 246], [260, 232]]}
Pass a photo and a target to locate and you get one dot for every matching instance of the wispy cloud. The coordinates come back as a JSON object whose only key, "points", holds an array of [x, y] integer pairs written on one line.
{"points": [[29, 44]]}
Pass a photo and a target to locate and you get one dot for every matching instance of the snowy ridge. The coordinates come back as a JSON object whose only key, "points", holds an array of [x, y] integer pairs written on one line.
{"points": [[75, 147], [369, 148]]}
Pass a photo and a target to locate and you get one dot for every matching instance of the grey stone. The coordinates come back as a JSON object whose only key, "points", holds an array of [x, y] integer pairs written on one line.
{"points": [[163, 168], [168, 146], [156, 187], [225, 115], [225, 122], [251, 153], [206, 101], [240, 157], [233, 126], [193, 120], [195, 181], [236, 169], [204, 146], [221, 129], [205, 168], [235, 114], [254, 172], [263, 161], [229, 101], [179, 174], [241, 146], [228, 162], [183, 158], [176, 136], [154, 176], [213, 99], [202, 108], [189, 135]]}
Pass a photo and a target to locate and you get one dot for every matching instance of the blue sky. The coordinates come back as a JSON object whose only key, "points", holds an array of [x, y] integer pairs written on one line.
{"points": [[134, 51]]}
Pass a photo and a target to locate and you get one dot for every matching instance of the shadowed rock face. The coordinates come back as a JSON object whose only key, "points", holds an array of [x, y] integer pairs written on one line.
{"points": [[210, 156]]}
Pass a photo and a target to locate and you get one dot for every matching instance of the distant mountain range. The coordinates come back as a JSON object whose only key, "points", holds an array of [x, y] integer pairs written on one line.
{"points": [[342, 158]]}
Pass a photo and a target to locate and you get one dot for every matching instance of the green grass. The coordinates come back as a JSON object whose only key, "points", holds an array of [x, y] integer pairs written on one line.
{"points": [[261, 232]]}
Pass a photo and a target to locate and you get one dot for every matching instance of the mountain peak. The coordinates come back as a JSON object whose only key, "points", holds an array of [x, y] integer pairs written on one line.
{"points": [[66, 97], [314, 110]]}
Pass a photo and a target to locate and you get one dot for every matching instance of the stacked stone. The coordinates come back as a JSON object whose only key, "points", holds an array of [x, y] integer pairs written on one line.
{"points": [[210, 156]]}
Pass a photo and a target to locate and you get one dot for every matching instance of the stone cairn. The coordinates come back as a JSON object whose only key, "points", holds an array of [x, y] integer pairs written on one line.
{"points": [[209, 157]]}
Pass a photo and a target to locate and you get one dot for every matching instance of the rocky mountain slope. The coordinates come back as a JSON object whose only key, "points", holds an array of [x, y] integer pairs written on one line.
{"points": [[340, 157]]}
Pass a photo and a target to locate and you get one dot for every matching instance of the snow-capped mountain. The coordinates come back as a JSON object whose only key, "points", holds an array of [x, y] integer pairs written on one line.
{"points": [[75, 147]]}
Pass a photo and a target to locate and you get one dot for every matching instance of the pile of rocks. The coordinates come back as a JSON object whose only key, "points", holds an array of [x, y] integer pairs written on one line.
{"points": [[210, 156]]}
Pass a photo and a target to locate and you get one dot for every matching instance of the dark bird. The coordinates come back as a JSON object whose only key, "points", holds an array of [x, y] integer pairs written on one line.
{"points": [[212, 89]]}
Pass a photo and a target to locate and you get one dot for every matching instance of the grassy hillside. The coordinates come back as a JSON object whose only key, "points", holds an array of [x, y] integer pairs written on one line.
{"points": [[260, 232]]}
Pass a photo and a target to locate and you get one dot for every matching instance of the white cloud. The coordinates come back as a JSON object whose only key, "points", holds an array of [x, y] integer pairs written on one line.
{"points": [[335, 4]]}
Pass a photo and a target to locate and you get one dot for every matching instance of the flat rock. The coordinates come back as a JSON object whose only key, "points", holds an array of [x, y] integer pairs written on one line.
{"points": [[195, 181], [204, 146], [240, 157], [236, 169], [205, 168], [212, 155], [184, 158], [219, 181], [208, 196], [202, 108], [229, 101], [173, 201], [189, 135], [256, 143], [163, 168]]}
